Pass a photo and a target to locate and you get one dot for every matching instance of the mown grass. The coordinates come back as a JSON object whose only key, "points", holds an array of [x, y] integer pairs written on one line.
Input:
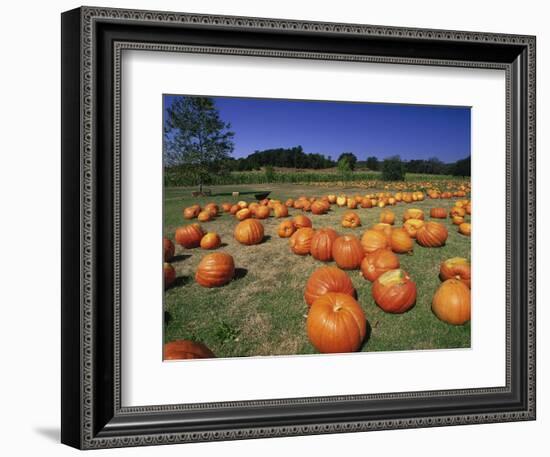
{"points": [[262, 311]]}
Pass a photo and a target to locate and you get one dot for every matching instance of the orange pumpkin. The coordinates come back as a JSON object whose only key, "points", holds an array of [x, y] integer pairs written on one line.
{"points": [[280, 210], [286, 229], [341, 200], [300, 241], [394, 291], [306, 206], [468, 208], [378, 262], [432, 235], [347, 252], [189, 236], [319, 207], [301, 221], [351, 220], [336, 323], [212, 208], [438, 213], [387, 217], [252, 207], [243, 214], [457, 220], [465, 229], [226, 207], [456, 268], [412, 226], [321, 244], [366, 203], [204, 216], [289, 203], [215, 270], [451, 302], [457, 211], [186, 349], [191, 212], [386, 229], [401, 242], [413, 213], [249, 231], [234, 209], [211, 241], [351, 203], [169, 275], [373, 240], [327, 279], [169, 249], [242, 204], [262, 212]]}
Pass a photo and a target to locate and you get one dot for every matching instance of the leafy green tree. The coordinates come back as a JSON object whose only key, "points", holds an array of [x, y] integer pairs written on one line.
{"points": [[196, 137], [372, 163], [351, 158], [393, 169], [344, 168]]}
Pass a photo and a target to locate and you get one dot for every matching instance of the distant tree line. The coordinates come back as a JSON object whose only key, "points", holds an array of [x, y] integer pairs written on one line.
{"points": [[296, 158], [280, 157]]}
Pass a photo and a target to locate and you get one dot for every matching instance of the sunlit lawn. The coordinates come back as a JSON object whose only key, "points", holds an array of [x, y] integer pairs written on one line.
{"points": [[262, 311]]}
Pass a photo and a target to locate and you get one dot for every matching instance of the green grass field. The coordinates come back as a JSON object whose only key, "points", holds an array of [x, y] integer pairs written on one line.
{"points": [[262, 311]]}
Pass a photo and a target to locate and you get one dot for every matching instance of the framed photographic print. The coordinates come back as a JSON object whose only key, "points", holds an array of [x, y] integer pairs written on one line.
{"points": [[274, 227]]}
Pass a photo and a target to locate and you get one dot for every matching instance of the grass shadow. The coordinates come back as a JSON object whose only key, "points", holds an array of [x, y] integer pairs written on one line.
{"points": [[167, 317], [240, 273], [179, 257], [180, 281], [266, 238]]}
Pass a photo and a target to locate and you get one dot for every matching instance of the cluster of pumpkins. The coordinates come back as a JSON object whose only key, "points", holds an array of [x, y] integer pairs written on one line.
{"points": [[336, 321]]}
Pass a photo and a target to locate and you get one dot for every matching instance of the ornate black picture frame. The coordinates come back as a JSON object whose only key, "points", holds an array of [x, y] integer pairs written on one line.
{"points": [[92, 414]]}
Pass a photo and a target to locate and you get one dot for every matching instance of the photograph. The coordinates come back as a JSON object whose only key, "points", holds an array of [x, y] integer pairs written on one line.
{"points": [[296, 227]]}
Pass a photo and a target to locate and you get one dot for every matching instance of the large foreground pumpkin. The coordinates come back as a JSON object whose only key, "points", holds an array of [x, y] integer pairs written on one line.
{"points": [[249, 231], [189, 236], [377, 263], [348, 252], [336, 323], [300, 241], [186, 349], [456, 268], [327, 279], [432, 235], [394, 291], [321, 244], [215, 270], [451, 302]]}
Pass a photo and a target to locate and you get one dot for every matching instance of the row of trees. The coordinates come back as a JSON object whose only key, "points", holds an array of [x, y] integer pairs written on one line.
{"points": [[198, 140]]}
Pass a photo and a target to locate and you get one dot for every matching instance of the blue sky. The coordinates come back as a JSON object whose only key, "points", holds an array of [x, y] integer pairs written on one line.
{"points": [[330, 128]]}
